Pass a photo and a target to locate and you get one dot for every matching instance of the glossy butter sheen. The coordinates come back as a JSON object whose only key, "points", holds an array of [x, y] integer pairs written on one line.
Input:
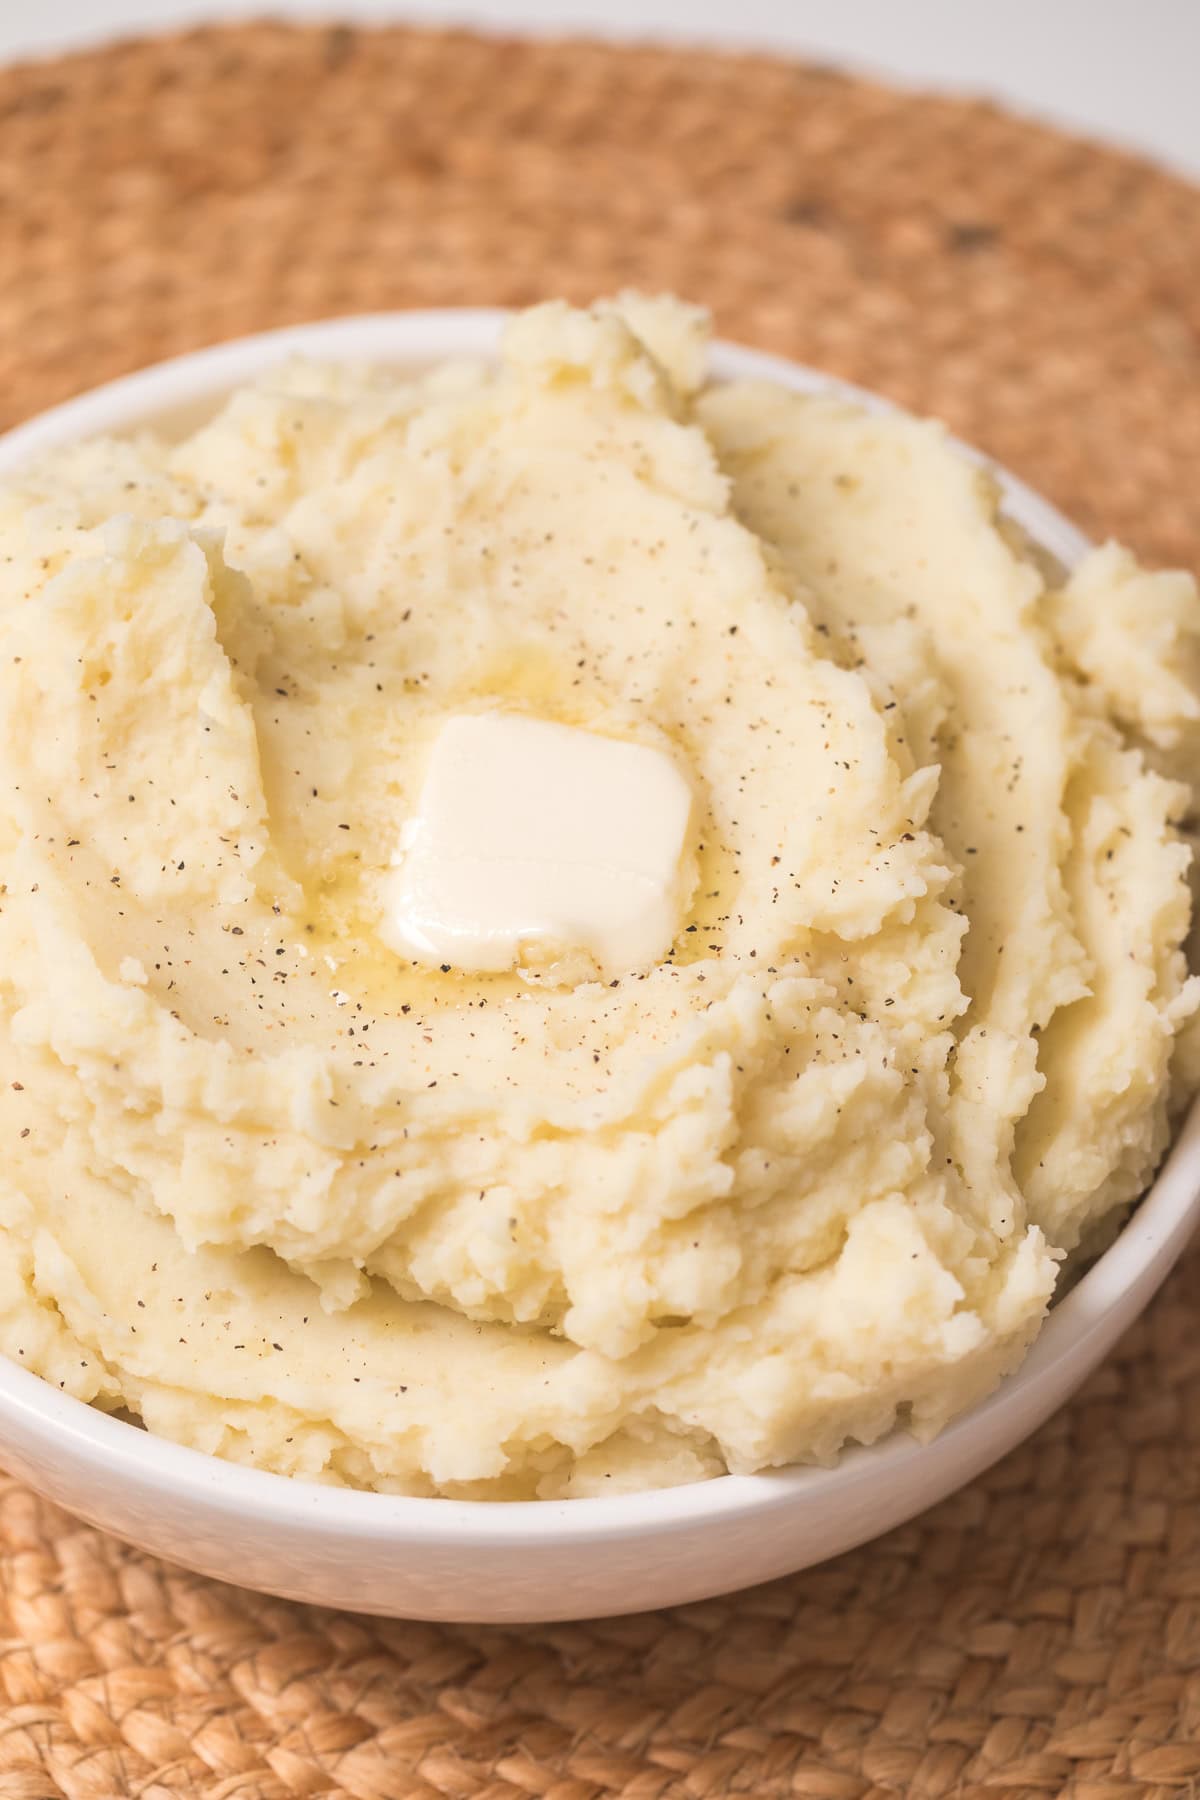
{"points": [[532, 839]]}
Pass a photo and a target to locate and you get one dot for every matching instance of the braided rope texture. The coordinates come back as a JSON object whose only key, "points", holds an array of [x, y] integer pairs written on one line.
{"points": [[1039, 1633]]}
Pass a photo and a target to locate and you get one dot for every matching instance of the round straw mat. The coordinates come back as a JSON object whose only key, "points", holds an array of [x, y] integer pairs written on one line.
{"points": [[1039, 1633]]}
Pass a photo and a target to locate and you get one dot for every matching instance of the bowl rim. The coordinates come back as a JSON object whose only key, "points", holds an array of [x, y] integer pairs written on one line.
{"points": [[1138, 1259]]}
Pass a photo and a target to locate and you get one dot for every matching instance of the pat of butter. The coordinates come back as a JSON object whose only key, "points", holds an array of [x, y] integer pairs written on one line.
{"points": [[536, 837]]}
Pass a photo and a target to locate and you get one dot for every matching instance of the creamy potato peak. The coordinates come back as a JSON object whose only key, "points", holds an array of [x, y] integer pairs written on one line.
{"points": [[792, 1148]]}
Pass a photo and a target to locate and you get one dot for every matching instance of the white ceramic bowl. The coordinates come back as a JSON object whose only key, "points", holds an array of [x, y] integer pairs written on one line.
{"points": [[486, 1561]]}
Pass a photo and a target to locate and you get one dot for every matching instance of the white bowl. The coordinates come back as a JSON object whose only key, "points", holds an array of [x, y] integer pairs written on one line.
{"points": [[487, 1561]]}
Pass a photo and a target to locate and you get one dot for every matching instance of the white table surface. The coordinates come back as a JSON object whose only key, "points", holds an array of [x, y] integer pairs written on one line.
{"points": [[1127, 70]]}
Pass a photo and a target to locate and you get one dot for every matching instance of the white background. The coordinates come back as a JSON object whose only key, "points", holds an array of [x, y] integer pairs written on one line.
{"points": [[1127, 70]]}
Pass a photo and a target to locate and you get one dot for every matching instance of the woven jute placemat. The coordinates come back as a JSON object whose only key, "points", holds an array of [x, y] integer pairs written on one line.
{"points": [[1037, 1634]]}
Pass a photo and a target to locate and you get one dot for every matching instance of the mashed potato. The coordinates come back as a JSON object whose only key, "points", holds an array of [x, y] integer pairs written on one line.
{"points": [[299, 1201]]}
